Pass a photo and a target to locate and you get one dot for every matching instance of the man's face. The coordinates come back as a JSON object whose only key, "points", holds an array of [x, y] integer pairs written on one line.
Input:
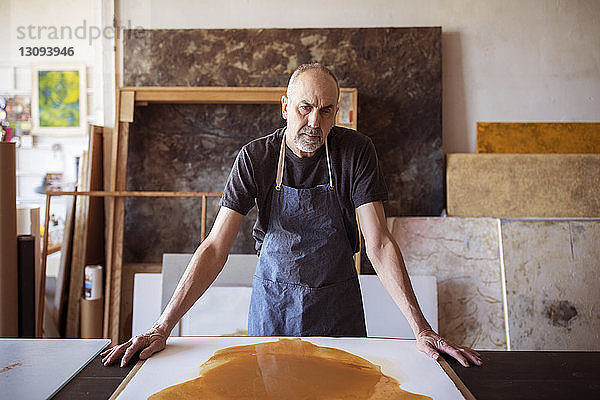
{"points": [[310, 111]]}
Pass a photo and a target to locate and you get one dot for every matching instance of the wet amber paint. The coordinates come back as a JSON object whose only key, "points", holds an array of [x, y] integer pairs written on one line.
{"points": [[290, 369]]}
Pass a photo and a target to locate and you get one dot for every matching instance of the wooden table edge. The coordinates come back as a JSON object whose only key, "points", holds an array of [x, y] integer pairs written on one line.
{"points": [[125, 381], [455, 379]]}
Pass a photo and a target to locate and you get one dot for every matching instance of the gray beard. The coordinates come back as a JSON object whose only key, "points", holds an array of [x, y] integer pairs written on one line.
{"points": [[305, 145]]}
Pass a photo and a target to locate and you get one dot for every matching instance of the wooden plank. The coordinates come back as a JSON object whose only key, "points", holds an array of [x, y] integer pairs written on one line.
{"points": [[215, 95], [523, 185], [113, 174], [39, 331], [148, 193], [107, 143], [119, 228], [54, 249], [127, 106], [454, 377], [94, 249], [114, 279], [203, 220], [355, 109], [107, 134], [538, 137], [88, 232], [208, 94], [125, 381], [116, 282], [78, 259], [61, 292], [110, 225]]}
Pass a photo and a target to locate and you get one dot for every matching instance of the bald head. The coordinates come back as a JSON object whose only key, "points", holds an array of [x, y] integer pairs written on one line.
{"points": [[316, 67], [309, 107]]}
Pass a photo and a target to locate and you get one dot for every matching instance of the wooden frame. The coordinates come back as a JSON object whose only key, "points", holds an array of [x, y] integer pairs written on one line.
{"points": [[204, 195], [58, 128], [126, 100], [226, 95]]}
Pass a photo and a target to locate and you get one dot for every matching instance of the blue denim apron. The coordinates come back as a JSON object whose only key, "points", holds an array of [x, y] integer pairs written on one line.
{"points": [[305, 282]]}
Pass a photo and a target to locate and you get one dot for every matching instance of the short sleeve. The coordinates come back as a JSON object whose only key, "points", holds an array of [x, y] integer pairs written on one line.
{"points": [[368, 182], [240, 190]]}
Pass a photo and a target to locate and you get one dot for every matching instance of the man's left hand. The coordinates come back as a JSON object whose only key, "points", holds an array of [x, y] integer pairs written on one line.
{"points": [[432, 344]]}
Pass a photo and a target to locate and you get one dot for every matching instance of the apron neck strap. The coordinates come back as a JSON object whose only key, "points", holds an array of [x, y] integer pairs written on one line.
{"points": [[281, 163], [328, 165]]}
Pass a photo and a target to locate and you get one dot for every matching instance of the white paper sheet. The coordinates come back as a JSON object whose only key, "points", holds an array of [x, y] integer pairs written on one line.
{"points": [[181, 360], [222, 310], [384, 318], [146, 304]]}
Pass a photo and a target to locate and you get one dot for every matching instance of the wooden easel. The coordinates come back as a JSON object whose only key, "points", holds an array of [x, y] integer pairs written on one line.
{"points": [[127, 99]]}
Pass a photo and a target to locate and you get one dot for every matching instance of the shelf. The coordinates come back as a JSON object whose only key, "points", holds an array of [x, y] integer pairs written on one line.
{"points": [[54, 249], [132, 96]]}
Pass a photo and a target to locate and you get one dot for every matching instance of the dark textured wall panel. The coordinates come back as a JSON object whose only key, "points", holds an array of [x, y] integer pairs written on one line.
{"points": [[191, 147], [188, 148]]}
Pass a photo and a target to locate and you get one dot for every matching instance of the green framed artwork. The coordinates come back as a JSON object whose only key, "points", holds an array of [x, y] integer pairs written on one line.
{"points": [[59, 100]]}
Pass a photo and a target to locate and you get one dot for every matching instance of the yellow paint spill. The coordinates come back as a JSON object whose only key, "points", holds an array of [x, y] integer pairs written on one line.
{"points": [[289, 369]]}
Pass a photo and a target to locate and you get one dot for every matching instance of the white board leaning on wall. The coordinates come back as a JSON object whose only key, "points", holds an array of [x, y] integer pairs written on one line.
{"points": [[223, 309]]}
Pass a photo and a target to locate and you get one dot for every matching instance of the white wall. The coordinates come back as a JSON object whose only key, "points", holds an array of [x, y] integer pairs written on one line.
{"points": [[32, 23], [58, 23], [503, 60], [61, 23]]}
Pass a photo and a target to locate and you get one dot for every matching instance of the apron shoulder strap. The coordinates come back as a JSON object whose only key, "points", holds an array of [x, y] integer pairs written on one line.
{"points": [[281, 163]]}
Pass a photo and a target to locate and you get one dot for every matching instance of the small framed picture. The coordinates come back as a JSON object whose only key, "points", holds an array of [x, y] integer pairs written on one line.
{"points": [[59, 96]]}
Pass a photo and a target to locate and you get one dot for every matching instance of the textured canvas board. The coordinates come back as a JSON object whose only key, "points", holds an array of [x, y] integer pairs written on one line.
{"points": [[523, 185], [191, 147], [465, 257], [552, 285]]}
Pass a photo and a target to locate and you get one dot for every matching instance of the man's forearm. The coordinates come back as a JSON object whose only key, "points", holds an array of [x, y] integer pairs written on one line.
{"points": [[202, 270], [389, 265]]}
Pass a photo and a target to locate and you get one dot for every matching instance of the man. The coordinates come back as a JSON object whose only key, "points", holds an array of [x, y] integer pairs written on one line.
{"points": [[307, 180]]}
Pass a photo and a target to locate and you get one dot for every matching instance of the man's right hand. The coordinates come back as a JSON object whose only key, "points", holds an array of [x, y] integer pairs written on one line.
{"points": [[148, 343]]}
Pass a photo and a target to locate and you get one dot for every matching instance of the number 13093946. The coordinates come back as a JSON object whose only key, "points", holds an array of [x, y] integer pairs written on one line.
{"points": [[55, 51]]}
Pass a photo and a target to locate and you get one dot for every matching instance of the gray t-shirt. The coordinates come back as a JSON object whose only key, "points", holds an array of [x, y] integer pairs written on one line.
{"points": [[357, 177]]}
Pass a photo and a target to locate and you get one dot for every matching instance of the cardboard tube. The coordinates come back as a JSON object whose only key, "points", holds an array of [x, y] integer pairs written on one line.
{"points": [[9, 281], [91, 318]]}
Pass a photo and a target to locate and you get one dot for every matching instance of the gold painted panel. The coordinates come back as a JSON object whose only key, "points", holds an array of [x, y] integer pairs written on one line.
{"points": [[523, 185], [538, 137]]}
